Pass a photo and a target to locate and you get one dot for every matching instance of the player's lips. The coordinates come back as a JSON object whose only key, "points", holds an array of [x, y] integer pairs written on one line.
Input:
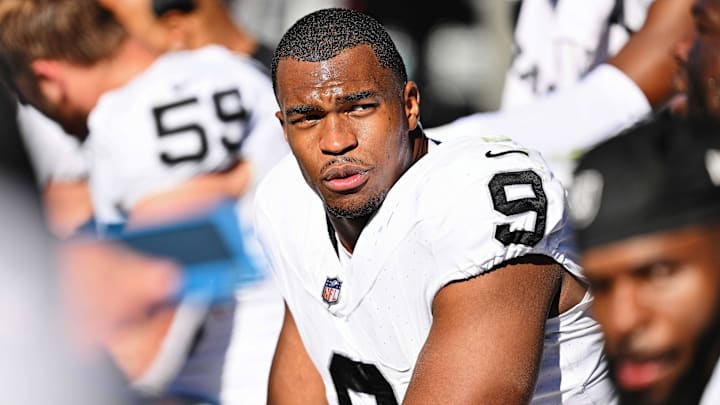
{"points": [[636, 375], [345, 178]]}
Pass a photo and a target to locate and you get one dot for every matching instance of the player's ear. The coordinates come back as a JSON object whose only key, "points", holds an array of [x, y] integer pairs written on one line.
{"points": [[411, 97], [46, 69], [49, 74], [279, 116]]}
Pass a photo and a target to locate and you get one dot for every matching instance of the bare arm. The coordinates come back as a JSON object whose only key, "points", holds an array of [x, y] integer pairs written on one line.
{"points": [[67, 205], [648, 58], [487, 336], [293, 376], [193, 195]]}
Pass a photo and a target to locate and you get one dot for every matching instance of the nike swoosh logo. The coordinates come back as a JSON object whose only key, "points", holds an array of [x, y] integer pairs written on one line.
{"points": [[490, 154]]}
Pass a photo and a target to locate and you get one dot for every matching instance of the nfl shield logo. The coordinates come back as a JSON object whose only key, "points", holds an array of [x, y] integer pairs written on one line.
{"points": [[331, 291]]}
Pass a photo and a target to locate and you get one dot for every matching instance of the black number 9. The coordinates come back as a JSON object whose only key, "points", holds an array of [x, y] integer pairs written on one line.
{"points": [[359, 377], [537, 204]]}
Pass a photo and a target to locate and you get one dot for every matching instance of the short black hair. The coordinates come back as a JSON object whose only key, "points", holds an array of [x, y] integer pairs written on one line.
{"points": [[325, 33]]}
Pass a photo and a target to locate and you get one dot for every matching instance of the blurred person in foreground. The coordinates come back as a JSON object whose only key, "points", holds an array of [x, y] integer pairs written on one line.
{"points": [[42, 358], [646, 209], [412, 271], [155, 123]]}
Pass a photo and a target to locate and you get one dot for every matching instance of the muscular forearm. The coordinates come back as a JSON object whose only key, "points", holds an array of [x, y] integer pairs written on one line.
{"points": [[649, 57]]}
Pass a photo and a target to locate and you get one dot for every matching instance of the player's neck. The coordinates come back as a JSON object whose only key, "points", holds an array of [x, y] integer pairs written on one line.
{"points": [[420, 144], [131, 59], [349, 230], [220, 28], [226, 33]]}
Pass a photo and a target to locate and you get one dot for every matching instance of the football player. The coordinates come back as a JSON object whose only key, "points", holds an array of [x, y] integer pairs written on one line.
{"points": [[153, 122], [413, 272], [164, 25], [646, 208], [255, 319]]}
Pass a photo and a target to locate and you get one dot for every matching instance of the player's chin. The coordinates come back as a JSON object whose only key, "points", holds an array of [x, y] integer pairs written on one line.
{"points": [[646, 382], [661, 394], [353, 207]]}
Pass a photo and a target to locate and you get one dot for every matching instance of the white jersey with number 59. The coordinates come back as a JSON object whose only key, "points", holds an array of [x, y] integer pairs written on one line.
{"points": [[467, 206], [190, 112]]}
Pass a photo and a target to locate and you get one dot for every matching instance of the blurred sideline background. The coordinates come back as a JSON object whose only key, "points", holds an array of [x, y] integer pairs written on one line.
{"points": [[457, 51]]}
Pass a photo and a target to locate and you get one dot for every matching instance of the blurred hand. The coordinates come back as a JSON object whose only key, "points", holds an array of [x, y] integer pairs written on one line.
{"points": [[195, 195], [106, 288]]}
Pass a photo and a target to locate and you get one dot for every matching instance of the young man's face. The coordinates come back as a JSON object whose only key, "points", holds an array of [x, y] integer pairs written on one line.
{"points": [[657, 298], [347, 121], [67, 101]]}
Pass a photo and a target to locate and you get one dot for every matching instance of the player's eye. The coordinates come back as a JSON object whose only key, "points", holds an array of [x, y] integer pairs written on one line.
{"points": [[305, 119], [599, 286], [658, 272], [361, 108]]}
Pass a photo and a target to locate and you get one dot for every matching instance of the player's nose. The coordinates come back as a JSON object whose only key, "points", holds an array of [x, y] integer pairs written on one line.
{"points": [[628, 311], [337, 136]]}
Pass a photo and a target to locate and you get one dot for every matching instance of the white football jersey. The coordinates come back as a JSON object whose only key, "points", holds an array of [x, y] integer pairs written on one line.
{"points": [[189, 113], [54, 154], [711, 394], [467, 206], [559, 41]]}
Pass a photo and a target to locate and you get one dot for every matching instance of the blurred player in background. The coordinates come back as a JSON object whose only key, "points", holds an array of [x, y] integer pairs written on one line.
{"points": [[163, 25], [646, 207], [583, 72], [187, 24], [155, 123]]}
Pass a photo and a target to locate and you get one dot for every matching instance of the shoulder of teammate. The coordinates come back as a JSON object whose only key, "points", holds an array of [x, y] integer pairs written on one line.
{"points": [[484, 201], [208, 74], [210, 68]]}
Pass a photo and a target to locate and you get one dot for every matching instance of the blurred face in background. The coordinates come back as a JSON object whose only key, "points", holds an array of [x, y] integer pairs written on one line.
{"points": [[65, 92], [139, 20], [703, 61], [657, 298]]}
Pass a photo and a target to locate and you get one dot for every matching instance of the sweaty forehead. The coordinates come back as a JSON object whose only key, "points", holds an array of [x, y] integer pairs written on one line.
{"points": [[352, 70]]}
